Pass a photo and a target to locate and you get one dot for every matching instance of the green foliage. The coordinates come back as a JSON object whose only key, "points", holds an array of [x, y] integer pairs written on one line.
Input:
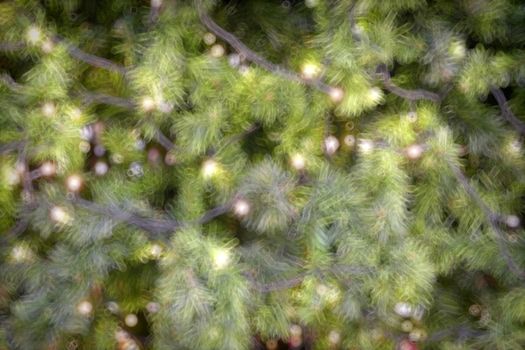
{"points": [[347, 230]]}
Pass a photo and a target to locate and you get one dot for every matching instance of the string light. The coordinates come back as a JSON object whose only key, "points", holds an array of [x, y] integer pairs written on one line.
{"points": [[153, 307], [298, 162], [112, 307], [512, 221], [414, 151], [336, 94], [34, 34], [47, 169], [310, 70], [375, 94], [366, 146], [221, 258], [47, 46], [48, 109], [147, 104], [411, 117], [155, 251], [403, 309], [296, 333], [12, 177], [334, 337], [21, 253], [131, 320], [74, 183], [156, 3], [349, 140], [58, 214], [241, 207], [170, 159], [406, 326], [84, 308], [331, 144], [84, 146], [209, 168], [217, 50], [101, 168], [209, 38]]}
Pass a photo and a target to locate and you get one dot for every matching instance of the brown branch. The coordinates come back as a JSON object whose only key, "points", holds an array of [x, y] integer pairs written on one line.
{"points": [[164, 141], [91, 59], [10, 82], [154, 226], [252, 56], [96, 97], [506, 112], [76, 53], [492, 218], [411, 95], [11, 146]]}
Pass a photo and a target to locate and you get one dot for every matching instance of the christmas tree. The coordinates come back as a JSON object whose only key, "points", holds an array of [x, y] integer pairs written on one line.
{"points": [[262, 174]]}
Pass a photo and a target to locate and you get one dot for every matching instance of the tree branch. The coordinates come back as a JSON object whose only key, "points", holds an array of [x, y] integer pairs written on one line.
{"points": [[411, 95], [492, 218], [506, 112], [96, 97], [253, 56]]}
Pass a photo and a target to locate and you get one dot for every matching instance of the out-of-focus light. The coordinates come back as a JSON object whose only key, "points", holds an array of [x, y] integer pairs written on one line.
{"points": [[209, 38], [209, 168], [241, 207], [512, 221], [298, 161], [296, 330], [221, 258], [112, 307], [84, 146], [170, 159], [331, 144], [58, 214], [366, 146], [375, 94], [74, 183], [217, 50], [272, 344], [34, 34], [47, 46], [48, 109], [334, 337], [155, 251], [84, 308], [234, 60], [12, 177], [406, 326], [153, 307], [147, 104], [336, 94], [156, 3], [101, 168], [311, 3], [131, 320], [414, 151], [310, 70], [349, 140], [411, 117], [21, 253], [48, 169], [403, 309]]}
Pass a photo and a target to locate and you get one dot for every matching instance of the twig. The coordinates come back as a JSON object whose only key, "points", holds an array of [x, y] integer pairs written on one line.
{"points": [[9, 47], [506, 112], [10, 82], [11, 146], [252, 56], [155, 226], [411, 95], [164, 141], [461, 330], [95, 97], [91, 59], [492, 218]]}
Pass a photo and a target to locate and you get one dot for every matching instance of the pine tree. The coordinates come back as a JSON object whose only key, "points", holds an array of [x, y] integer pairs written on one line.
{"points": [[263, 174]]}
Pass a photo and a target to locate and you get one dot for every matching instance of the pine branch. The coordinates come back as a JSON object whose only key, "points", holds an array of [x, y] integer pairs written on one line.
{"points": [[75, 52], [96, 97], [252, 56], [10, 82], [506, 111], [11, 146], [492, 218], [411, 95]]}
